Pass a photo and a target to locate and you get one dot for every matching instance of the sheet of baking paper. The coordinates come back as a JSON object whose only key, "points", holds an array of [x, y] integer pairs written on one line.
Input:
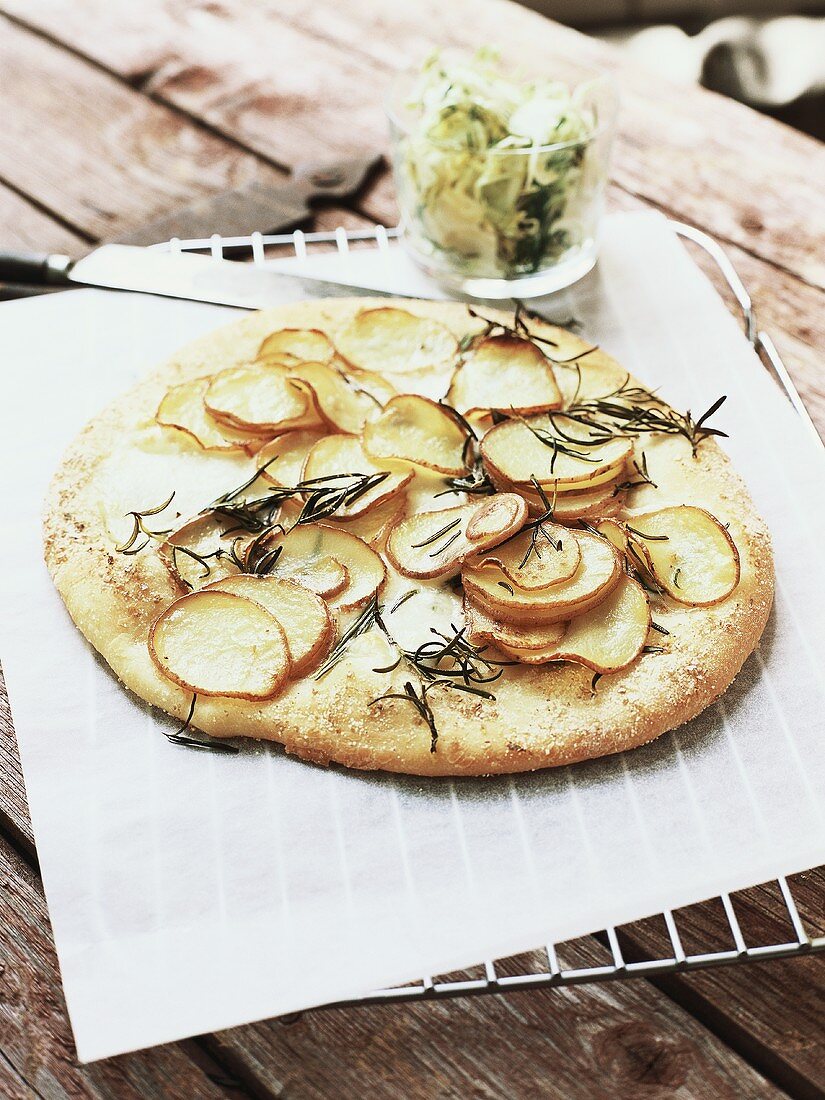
{"points": [[190, 892]]}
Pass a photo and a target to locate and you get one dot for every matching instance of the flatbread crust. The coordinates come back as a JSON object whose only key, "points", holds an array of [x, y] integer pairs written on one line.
{"points": [[542, 716]]}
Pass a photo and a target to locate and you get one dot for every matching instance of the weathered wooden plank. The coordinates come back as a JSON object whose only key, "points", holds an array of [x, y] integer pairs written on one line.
{"points": [[99, 154], [618, 1041], [275, 76], [35, 1040], [337, 1045], [770, 1012], [24, 226]]}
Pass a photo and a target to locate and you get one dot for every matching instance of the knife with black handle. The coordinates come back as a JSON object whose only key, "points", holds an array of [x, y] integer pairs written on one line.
{"points": [[270, 208]]}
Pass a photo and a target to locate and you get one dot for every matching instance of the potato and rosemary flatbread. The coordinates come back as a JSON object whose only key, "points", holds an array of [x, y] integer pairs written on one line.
{"points": [[531, 561]]}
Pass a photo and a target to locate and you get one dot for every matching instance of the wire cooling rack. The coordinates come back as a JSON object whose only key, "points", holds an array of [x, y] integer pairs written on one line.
{"points": [[549, 967]]}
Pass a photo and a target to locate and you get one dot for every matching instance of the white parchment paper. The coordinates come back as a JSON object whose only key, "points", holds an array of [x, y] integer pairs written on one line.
{"points": [[191, 892]]}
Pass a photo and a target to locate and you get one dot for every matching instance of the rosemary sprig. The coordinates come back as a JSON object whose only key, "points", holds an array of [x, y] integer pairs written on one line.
{"points": [[436, 535], [365, 621], [180, 737], [139, 528], [519, 330], [403, 599], [474, 483]]}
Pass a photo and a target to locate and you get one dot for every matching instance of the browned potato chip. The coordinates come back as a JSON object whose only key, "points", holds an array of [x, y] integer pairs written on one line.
{"points": [[311, 546], [261, 398], [568, 506], [390, 341], [374, 526], [537, 558], [343, 455], [506, 373], [434, 544], [537, 636], [592, 377], [304, 616], [198, 552], [302, 345], [598, 571], [692, 556], [285, 455], [416, 429], [343, 404], [219, 643], [612, 635], [182, 407], [519, 450]]}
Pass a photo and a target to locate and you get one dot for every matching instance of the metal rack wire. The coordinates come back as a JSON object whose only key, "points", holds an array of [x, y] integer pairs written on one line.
{"points": [[553, 973]]}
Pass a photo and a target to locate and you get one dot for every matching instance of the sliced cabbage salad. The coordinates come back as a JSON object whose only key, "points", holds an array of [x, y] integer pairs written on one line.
{"points": [[477, 180]]}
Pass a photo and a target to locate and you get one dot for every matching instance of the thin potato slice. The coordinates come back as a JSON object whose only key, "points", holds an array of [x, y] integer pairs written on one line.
{"points": [[375, 384], [374, 526], [312, 545], [416, 429], [537, 559], [198, 552], [568, 506], [305, 617], [340, 455], [435, 544], [285, 455], [514, 452], [393, 341], [261, 398], [325, 577], [506, 373], [343, 405], [590, 378], [484, 628], [182, 407], [544, 656], [597, 574], [692, 556], [612, 635], [301, 345], [220, 643]]}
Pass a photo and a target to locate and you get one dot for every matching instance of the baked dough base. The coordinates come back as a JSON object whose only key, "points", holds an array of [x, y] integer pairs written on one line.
{"points": [[542, 716]]}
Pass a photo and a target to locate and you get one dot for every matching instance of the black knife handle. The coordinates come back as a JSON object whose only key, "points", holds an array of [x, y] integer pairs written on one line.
{"points": [[40, 268]]}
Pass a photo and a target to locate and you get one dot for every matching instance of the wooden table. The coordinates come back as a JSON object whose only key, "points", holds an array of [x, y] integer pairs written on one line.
{"points": [[114, 112]]}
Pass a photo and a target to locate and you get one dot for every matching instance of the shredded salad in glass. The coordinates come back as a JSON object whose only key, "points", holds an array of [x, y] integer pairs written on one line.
{"points": [[491, 167]]}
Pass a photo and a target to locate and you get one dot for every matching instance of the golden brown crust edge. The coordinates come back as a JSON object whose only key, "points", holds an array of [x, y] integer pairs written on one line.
{"points": [[548, 717]]}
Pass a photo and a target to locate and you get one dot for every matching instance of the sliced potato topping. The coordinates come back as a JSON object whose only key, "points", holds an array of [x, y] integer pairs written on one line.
{"points": [[285, 455], [337, 455], [612, 635], [593, 376], [261, 398], [599, 569], [537, 558], [376, 384], [220, 643], [191, 554], [390, 340], [505, 373], [568, 506], [297, 345], [374, 526], [518, 450], [304, 616], [435, 544], [691, 554], [416, 429], [311, 546], [536, 636], [182, 407], [344, 407]]}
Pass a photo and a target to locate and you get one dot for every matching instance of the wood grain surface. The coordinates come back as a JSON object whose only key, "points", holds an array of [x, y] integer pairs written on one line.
{"points": [[114, 113]]}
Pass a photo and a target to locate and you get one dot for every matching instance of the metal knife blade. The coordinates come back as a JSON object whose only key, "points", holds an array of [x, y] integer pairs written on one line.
{"points": [[269, 207], [200, 278]]}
